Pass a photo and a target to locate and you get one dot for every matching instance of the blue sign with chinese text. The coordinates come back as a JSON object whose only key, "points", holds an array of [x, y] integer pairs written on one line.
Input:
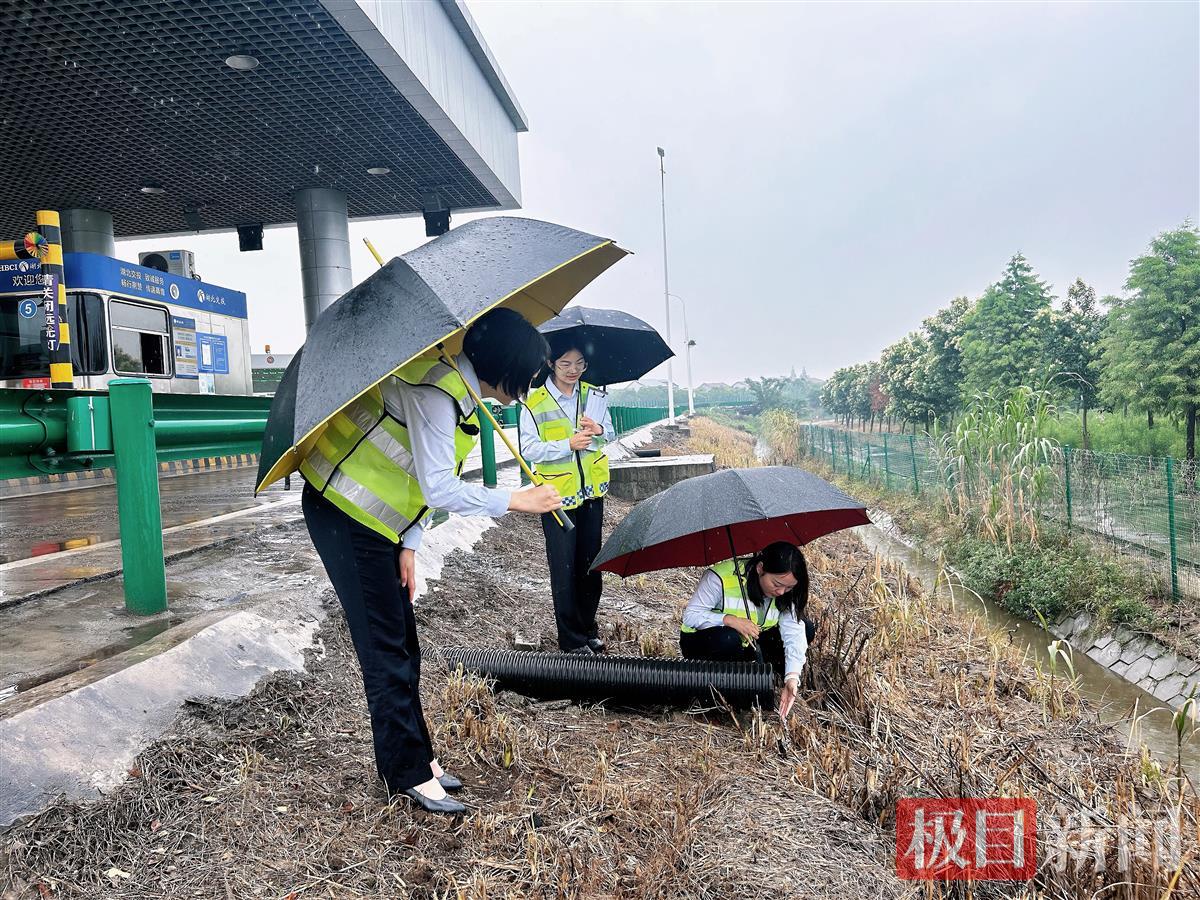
{"points": [[90, 271]]}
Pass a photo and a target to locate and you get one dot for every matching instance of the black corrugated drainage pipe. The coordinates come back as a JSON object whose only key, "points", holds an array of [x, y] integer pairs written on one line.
{"points": [[625, 679]]}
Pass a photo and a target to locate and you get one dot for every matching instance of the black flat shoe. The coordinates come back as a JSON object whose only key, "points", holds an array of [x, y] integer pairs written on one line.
{"points": [[446, 805], [449, 782], [585, 650], [597, 645]]}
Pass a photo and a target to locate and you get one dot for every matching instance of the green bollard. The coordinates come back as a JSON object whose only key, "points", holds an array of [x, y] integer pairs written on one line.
{"points": [[487, 450], [140, 518]]}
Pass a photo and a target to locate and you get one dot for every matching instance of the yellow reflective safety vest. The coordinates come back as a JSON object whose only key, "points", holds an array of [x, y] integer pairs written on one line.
{"points": [[735, 605], [583, 475], [363, 461]]}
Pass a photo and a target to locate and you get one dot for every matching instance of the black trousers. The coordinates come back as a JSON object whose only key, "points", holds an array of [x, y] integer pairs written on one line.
{"points": [[722, 644], [576, 590], [362, 566]]}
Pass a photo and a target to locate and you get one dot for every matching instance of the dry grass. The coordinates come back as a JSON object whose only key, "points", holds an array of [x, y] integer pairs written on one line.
{"points": [[731, 449], [274, 796]]}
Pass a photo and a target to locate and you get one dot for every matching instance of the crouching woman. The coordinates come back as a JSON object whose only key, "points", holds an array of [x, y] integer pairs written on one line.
{"points": [[761, 606]]}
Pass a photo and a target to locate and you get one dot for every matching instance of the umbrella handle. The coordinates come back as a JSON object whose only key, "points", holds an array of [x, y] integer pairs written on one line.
{"points": [[534, 477]]}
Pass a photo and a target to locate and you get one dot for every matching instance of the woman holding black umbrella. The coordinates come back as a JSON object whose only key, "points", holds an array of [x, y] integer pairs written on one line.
{"points": [[563, 426], [379, 411], [365, 502]]}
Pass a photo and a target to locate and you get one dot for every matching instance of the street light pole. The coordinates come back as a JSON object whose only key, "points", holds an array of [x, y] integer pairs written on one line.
{"points": [[662, 173], [689, 343]]}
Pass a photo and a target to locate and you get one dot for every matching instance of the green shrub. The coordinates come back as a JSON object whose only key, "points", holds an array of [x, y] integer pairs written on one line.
{"points": [[1056, 578]]}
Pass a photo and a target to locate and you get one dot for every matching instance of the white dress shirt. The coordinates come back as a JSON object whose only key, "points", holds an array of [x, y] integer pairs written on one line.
{"points": [[535, 450], [704, 610], [431, 416]]}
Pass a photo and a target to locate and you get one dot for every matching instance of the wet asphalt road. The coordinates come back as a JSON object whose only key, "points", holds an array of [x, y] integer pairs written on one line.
{"points": [[63, 520]]}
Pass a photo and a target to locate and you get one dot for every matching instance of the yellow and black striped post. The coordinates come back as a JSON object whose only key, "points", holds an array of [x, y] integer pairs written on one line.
{"points": [[54, 302]]}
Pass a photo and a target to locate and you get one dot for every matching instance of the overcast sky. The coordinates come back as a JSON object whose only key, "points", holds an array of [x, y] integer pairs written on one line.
{"points": [[835, 172]]}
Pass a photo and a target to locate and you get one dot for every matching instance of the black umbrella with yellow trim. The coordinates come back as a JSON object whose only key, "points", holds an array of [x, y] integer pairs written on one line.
{"points": [[418, 304]]}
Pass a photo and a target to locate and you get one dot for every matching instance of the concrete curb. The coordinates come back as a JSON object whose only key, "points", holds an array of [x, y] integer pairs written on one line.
{"points": [[82, 743], [78, 736]]}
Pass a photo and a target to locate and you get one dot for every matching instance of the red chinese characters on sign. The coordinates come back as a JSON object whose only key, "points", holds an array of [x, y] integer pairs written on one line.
{"points": [[959, 838]]}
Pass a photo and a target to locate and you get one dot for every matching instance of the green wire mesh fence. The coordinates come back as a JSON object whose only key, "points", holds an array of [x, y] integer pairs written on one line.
{"points": [[1148, 507]]}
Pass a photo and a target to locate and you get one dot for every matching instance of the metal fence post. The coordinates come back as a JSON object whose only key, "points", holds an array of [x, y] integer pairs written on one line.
{"points": [[849, 467], [487, 450], [1067, 483], [912, 451], [138, 510], [1171, 529], [887, 470]]}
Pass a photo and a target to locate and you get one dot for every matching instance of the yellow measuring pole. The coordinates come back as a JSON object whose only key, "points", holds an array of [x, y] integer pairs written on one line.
{"points": [[374, 252]]}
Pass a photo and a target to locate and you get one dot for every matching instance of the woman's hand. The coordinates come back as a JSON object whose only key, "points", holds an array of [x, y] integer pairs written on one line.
{"points": [[744, 627], [406, 566], [581, 440], [788, 696], [588, 424], [535, 499]]}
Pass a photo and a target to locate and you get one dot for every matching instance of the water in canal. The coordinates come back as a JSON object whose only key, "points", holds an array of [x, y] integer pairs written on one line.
{"points": [[1115, 697]]}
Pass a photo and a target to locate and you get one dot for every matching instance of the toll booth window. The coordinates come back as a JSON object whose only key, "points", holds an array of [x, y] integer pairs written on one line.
{"points": [[140, 338], [23, 352], [89, 355]]}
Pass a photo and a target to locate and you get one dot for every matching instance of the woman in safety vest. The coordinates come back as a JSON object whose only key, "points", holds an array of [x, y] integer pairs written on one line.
{"points": [[763, 604], [564, 425], [381, 465]]}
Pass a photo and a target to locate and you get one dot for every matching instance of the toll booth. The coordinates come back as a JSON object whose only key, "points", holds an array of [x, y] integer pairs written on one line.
{"points": [[187, 336]]}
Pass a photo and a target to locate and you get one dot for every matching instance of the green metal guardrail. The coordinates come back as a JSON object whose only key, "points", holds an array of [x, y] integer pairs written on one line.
{"points": [[630, 418], [49, 432], [131, 429]]}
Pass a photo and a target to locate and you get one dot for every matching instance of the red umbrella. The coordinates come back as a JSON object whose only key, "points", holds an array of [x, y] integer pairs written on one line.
{"points": [[734, 512]]}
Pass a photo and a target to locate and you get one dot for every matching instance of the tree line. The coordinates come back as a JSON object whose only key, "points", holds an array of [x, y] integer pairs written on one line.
{"points": [[1136, 353]]}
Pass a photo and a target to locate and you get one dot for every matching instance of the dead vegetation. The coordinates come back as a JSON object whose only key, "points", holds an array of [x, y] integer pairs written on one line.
{"points": [[274, 796], [731, 448]]}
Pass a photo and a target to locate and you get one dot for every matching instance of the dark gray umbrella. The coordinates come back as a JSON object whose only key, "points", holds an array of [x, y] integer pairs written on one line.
{"points": [[617, 346], [734, 512], [416, 302]]}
